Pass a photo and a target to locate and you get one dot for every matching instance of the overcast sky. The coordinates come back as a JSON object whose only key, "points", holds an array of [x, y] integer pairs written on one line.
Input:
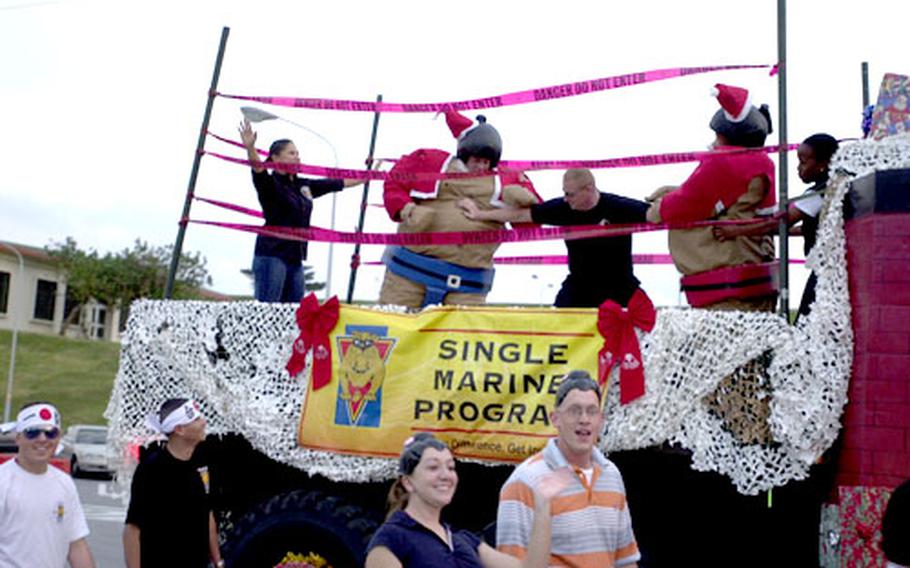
{"points": [[102, 103]]}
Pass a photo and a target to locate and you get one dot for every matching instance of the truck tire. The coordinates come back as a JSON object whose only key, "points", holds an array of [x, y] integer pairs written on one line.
{"points": [[301, 522]]}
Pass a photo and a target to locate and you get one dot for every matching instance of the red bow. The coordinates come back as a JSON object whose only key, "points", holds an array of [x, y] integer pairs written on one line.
{"points": [[621, 344], [315, 323]]}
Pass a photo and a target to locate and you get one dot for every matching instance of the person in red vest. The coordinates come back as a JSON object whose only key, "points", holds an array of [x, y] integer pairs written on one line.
{"points": [[728, 184], [421, 275]]}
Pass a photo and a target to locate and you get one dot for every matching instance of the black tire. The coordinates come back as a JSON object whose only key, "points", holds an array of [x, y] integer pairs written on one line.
{"points": [[301, 522], [74, 467]]}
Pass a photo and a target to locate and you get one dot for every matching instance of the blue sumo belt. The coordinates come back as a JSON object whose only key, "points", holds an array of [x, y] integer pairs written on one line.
{"points": [[438, 276]]}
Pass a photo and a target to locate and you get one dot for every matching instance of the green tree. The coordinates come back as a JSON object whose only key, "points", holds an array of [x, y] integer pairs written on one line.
{"points": [[121, 277]]}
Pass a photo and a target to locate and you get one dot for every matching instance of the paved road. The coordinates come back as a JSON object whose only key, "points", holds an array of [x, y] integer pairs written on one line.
{"points": [[105, 511]]}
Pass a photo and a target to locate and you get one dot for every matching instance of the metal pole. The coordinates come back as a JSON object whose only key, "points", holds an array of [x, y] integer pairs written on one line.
{"points": [[355, 258], [328, 271], [12, 354], [865, 71], [191, 187], [784, 228]]}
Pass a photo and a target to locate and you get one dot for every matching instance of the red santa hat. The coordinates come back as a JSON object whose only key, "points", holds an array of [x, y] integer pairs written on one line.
{"points": [[457, 123], [733, 100]]}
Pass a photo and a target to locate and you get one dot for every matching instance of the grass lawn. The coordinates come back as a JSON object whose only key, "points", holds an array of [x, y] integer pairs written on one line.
{"points": [[76, 375]]}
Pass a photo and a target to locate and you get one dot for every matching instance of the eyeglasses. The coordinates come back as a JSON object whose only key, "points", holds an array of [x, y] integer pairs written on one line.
{"points": [[33, 433], [576, 411]]}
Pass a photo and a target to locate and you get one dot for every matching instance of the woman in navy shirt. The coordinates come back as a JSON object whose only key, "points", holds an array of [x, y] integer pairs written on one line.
{"points": [[413, 535], [287, 201]]}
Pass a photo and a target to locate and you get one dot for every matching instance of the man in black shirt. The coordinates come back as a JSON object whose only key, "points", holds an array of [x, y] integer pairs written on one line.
{"points": [[169, 521], [600, 268]]}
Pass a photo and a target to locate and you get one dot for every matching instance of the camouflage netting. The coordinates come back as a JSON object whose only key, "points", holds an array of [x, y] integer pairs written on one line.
{"points": [[230, 357]]}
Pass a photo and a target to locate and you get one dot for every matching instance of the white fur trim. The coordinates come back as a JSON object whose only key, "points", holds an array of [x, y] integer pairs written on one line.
{"points": [[423, 194], [743, 113], [474, 124], [496, 199]]}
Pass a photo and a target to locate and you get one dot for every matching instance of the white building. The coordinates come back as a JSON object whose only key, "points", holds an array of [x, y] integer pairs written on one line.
{"points": [[33, 297]]}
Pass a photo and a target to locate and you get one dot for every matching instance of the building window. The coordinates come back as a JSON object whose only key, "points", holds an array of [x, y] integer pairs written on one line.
{"points": [[4, 291], [45, 299]]}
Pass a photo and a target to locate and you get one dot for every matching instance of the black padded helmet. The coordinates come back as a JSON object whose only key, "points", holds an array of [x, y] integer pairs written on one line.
{"points": [[482, 141], [750, 132]]}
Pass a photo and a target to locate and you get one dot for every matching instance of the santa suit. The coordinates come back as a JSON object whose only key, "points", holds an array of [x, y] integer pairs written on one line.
{"points": [[436, 209], [724, 187]]}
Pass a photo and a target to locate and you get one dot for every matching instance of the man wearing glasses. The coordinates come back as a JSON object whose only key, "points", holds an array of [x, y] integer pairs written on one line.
{"points": [[600, 268], [591, 524], [41, 520]]}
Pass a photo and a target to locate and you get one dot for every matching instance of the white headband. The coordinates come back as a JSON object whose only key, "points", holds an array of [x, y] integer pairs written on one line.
{"points": [[37, 415], [180, 416]]}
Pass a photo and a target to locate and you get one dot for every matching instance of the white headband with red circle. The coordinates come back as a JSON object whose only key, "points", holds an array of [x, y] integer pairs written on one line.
{"points": [[37, 416]]}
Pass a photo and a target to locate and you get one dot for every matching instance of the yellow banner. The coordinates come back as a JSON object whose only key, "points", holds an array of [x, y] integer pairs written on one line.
{"points": [[482, 379]]}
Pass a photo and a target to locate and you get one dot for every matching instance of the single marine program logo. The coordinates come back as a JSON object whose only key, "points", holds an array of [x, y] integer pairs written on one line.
{"points": [[364, 352]]}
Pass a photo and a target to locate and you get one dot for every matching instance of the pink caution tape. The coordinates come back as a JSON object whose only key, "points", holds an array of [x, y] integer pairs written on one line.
{"points": [[523, 234], [343, 173], [434, 238], [230, 206], [509, 99], [561, 259], [234, 143], [502, 260], [634, 161], [523, 165]]}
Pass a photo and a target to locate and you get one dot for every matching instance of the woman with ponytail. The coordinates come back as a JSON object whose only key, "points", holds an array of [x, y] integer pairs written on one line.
{"points": [[414, 535], [287, 201]]}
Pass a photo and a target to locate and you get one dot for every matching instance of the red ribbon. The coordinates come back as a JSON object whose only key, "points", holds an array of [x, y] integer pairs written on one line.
{"points": [[315, 323], [615, 324]]}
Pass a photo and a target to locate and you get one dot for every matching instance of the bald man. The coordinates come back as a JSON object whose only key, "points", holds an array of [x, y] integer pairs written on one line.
{"points": [[600, 269]]}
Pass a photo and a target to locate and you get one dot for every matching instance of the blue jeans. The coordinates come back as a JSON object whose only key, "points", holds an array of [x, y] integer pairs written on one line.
{"points": [[276, 280]]}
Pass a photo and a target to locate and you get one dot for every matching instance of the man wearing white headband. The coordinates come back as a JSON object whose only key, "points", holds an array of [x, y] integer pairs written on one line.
{"points": [[169, 521], [41, 520]]}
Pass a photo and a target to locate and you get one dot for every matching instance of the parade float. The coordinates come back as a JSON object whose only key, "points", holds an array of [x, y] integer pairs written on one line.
{"points": [[307, 405]]}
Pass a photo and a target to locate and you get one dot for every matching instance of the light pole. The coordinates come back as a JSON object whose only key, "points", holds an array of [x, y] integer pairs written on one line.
{"points": [[254, 114], [12, 354], [539, 289]]}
